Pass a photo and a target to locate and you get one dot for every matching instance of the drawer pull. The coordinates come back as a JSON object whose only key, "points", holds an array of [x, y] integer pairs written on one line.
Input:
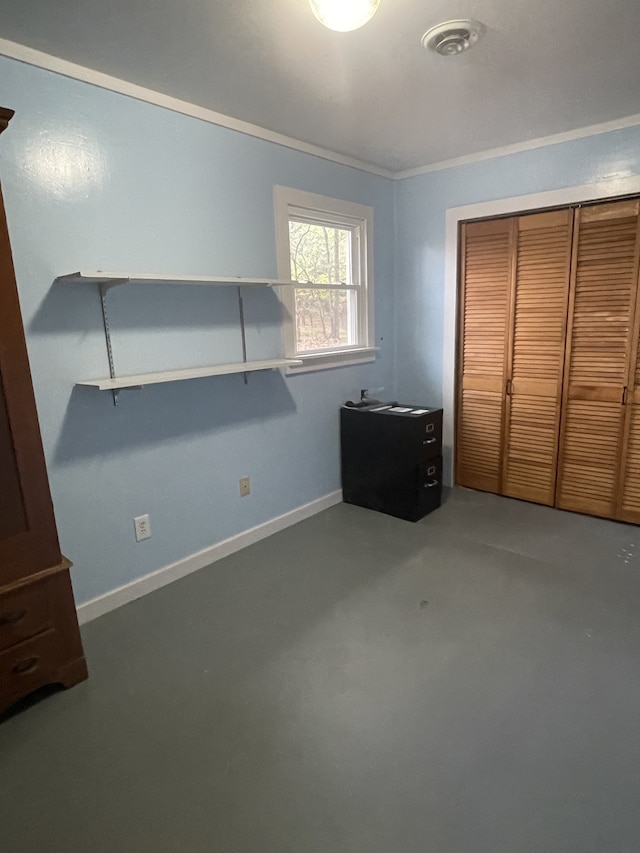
{"points": [[432, 484], [26, 666], [12, 617], [430, 441]]}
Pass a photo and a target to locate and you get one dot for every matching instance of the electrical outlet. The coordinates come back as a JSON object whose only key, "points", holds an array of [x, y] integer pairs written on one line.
{"points": [[245, 486], [142, 527]]}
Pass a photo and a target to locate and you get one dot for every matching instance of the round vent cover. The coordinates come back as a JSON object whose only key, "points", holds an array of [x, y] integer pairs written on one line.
{"points": [[453, 37]]}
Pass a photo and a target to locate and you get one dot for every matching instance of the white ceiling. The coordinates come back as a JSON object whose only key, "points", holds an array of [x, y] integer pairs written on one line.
{"points": [[543, 67]]}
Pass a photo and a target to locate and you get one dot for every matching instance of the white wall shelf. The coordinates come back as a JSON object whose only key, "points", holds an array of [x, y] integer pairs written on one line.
{"points": [[115, 279], [141, 379], [107, 280]]}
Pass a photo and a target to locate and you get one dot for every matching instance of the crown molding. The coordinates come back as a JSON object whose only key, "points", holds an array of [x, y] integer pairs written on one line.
{"points": [[47, 62], [518, 147]]}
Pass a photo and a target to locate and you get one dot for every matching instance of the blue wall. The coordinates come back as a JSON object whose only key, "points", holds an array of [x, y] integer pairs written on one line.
{"points": [[93, 179], [421, 205], [96, 180]]}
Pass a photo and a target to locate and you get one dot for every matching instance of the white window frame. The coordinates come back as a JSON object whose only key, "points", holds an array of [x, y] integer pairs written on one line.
{"points": [[291, 204]]}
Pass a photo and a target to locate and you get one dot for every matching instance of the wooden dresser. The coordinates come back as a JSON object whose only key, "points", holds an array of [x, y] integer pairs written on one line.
{"points": [[39, 635]]}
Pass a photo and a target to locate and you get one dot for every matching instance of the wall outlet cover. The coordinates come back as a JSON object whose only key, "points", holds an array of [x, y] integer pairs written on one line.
{"points": [[245, 486], [142, 527]]}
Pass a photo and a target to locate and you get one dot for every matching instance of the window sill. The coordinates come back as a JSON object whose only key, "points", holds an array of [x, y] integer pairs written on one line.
{"points": [[329, 360]]}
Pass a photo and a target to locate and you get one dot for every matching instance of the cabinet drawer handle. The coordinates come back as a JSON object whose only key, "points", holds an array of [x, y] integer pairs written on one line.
{"points": [[432, 484], [430, 441], [12, 618], [26, 666]]}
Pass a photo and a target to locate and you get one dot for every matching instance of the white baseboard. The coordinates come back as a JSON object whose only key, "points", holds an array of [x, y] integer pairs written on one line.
{"points": [[141, 586]]}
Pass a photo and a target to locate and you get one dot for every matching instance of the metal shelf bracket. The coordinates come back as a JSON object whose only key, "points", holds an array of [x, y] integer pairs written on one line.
{"points": [[104, 288], [245, 375]]}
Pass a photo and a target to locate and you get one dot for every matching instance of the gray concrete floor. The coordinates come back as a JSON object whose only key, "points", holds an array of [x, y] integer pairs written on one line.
{"points": [[355, 684]]}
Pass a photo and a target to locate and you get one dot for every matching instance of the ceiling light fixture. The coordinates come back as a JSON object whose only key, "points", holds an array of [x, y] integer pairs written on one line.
{"points": [[453, 37], [344, 15]]}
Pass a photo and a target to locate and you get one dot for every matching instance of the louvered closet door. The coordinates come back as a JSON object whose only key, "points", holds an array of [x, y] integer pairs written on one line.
{"points": [[629, 489], [629, 495], [486, 292], [601, 314], [536, 360]]}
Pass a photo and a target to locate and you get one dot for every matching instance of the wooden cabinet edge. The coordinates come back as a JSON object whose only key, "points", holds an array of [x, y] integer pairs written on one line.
{"points": [[72, 673], [33, 569], [5, 117], [62, 566]]}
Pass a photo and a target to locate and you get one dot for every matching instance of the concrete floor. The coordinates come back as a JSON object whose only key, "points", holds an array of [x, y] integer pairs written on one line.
{"points": [[355, 684]]}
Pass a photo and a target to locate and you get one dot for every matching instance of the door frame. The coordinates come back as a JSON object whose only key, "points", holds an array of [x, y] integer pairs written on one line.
{"points": [[600, 190]]}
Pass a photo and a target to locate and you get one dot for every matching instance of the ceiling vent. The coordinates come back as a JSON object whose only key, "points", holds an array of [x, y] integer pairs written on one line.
{"points": [[453, 37]]}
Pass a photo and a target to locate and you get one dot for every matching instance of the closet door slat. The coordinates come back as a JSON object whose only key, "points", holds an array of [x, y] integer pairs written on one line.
{"points": [[629, 490], [486, 278], [629, 509], [537, 344], [598, 356]]}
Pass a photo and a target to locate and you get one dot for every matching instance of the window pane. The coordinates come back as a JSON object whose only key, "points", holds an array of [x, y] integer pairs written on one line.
{"points": [[320, 253], [325, 319]]}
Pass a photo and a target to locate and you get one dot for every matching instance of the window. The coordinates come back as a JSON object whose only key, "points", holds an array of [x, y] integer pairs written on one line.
{"points": [[325, 244]]}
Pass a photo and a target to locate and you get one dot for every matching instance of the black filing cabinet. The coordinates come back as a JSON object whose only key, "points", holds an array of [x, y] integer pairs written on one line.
{"points": [[392, 458]]}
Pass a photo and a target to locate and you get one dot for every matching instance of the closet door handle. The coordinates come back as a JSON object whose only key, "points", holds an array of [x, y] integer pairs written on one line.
{"points": [[508, 388], [624, 395]]}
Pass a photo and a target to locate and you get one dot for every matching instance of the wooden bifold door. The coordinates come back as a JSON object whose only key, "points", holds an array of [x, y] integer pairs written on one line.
{"points": [[549, 373]]}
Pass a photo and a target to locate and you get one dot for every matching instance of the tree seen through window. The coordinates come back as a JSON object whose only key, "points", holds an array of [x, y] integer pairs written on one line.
{"points": [[321, 254]]}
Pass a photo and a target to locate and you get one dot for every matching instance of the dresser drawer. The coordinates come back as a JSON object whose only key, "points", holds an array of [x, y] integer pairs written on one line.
{"points": [[23, 613], [28, 665]]}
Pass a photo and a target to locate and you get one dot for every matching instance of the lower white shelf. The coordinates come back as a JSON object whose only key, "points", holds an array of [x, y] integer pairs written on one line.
{"points": [[140, 379]]}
